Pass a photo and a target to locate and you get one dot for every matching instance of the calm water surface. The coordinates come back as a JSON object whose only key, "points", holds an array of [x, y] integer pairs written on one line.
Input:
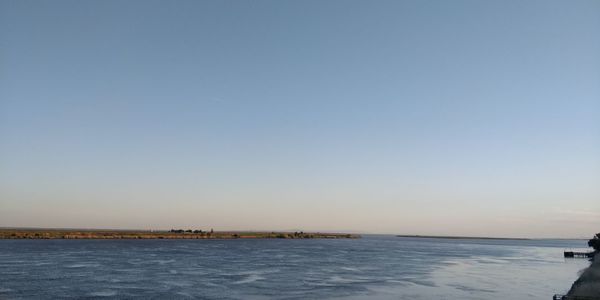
{"points": [[374, 267]]}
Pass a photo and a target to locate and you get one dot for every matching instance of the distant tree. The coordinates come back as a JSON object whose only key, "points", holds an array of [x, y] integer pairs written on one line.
{"points": [[595, 242]]}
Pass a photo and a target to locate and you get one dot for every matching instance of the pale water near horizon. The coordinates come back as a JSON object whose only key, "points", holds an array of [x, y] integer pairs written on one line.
{"points": [[374, 267]]}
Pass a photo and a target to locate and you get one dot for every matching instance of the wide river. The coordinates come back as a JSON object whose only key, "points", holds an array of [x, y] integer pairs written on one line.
{"points": [[374, 267]]}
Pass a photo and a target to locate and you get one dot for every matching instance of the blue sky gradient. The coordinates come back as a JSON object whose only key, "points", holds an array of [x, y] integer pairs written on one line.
{"points": [[424, 117]]}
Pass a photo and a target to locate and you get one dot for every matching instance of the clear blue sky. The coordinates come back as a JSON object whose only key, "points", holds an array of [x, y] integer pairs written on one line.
{"points": [[424, 117]]}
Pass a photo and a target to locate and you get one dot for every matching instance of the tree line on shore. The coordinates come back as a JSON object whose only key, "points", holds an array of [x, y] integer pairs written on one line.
{"points": [[279, 235], [595, 242], [170, 234], [197, 231]]}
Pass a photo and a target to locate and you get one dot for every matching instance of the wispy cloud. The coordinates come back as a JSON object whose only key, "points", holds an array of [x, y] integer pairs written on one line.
{"points": [[570, 215]]}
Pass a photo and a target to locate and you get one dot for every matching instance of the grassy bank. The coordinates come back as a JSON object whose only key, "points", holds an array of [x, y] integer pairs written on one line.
{"points": [[588, 284]]}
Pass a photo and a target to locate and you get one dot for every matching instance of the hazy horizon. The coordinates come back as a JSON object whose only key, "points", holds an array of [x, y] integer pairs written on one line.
{"points": [[462, 118]]}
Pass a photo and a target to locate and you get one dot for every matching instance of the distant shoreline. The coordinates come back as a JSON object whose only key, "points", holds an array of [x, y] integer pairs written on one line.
{"points": [[141, 234], [458, 237]]}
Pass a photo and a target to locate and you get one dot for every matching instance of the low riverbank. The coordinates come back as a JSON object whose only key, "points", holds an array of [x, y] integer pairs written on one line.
{"points": [[130, 234], [588, 284]]}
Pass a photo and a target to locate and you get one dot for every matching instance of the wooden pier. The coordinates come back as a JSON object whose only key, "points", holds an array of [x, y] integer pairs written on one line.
{"points": [[573, 254]]}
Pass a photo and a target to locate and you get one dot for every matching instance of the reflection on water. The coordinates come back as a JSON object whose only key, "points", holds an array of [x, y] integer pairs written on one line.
{"points": [[382, 267]]}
